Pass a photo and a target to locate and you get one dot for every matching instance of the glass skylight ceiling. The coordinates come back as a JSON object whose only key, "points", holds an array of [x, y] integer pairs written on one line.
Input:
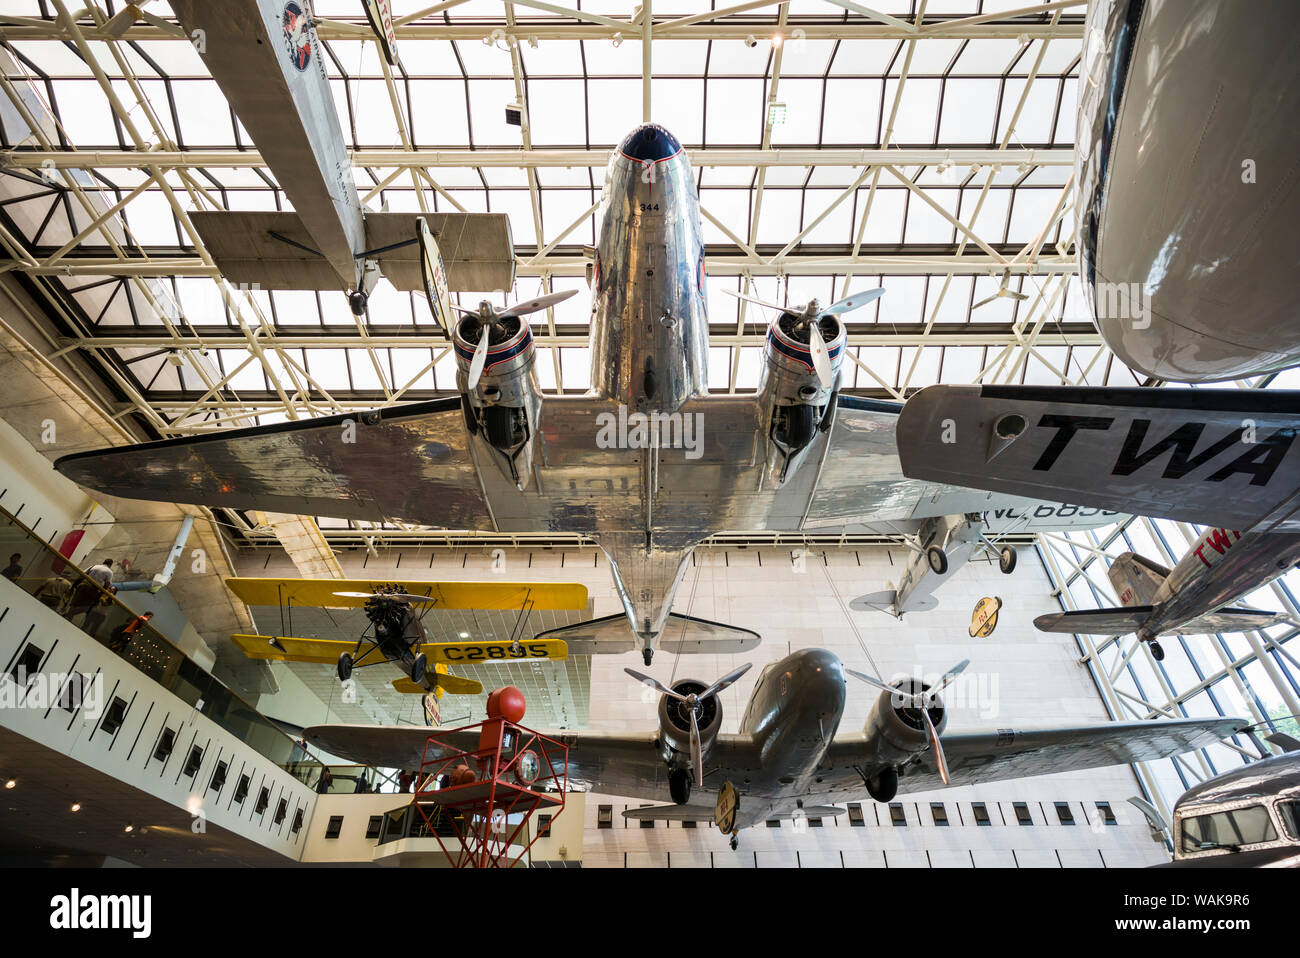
{"points": [[837, 79]]}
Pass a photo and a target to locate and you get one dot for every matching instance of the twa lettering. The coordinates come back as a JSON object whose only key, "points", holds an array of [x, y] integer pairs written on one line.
{"points": [[1259, 461]]}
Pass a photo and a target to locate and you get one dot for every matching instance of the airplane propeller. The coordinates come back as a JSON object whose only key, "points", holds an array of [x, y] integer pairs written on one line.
{"points": [[918, 700], [489, 317], [693, 703], [399, 596], [810, 315], [1003, 292]]}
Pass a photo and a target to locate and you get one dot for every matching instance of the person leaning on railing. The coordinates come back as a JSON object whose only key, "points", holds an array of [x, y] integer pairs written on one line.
{"points": [[54, 592]]}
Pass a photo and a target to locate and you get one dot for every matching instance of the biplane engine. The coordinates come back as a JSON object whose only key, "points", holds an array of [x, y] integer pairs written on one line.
{"points": [[794, 399], [504, 406], [675, 732]]}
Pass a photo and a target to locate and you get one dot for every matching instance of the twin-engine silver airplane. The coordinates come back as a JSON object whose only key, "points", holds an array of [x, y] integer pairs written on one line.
{"points": [[1194, 597], [787, 760], [647, 463]]}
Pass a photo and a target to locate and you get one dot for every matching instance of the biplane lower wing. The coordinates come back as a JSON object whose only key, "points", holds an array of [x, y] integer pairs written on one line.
{"points": [[284, 648], [482, 596]]}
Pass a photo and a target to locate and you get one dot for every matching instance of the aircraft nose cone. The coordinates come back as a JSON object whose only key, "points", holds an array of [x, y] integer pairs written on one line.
{"points": [[650, 143], [822, 669]]}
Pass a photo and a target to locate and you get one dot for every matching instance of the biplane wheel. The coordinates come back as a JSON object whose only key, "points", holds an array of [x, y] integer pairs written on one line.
{"points": [[1007, 560], [419, 667], [1157, 652], [345, 666], [938, 560]]}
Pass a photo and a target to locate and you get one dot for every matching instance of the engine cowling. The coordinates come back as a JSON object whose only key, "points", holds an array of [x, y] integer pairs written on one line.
{"points": [[504, 409], [895, 728], [794, 401], [675, 724]]}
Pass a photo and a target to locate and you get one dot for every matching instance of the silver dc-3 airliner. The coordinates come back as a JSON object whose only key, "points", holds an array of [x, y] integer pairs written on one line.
{"points": [[797, 455]]}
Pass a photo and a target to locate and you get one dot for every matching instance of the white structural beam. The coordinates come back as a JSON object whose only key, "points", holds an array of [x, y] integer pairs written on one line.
{"points": [[904, 264], [533, 159]]}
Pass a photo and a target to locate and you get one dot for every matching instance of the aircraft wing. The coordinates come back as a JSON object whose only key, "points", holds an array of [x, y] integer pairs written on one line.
{"points": [[416, 463], [324, 593], [344, 466], [274, 250], [615, 763], [287, 648], [975, 757], [1222, 457]]}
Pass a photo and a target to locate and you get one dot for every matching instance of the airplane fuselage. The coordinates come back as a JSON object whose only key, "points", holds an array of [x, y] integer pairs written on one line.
{"points": [[793, 714], [1220, 567], [1185, 192]]}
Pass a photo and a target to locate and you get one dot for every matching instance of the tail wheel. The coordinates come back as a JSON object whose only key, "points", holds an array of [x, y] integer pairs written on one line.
{"points": [[1157, 652], [419, 667], [1007, 560], [938, 560], [345, 667]]}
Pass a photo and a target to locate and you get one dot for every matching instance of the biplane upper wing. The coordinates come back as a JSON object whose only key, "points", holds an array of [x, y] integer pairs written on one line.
{"points": [[324, 593], [287, 648]]}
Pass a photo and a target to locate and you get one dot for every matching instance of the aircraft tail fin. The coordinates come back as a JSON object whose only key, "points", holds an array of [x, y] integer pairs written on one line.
{"points": [[1136, 580]]}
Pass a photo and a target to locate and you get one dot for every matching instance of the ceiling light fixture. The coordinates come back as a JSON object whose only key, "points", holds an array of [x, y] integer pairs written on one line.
{"points": [[777, 40], [76, 806], [129, 828], [10, 784]]}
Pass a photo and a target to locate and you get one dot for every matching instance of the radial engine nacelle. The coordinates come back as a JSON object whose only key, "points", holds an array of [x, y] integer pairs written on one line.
{"points": [[504, 406], [794, 400]]}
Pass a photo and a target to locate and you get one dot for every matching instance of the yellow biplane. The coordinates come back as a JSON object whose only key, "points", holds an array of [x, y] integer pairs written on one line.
{"points": [[395, 633]]}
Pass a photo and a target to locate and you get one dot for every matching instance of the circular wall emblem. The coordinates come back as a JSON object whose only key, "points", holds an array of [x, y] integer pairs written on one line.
{"points": [[297, 35], [984, 619]]}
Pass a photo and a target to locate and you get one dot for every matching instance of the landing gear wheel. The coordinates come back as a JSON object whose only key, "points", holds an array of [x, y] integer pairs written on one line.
{"points": [[938, 560], [648, 655], [884, 786], [419, 667], [1007, 560], [679, 786], [798, 425], [345, 667], [735, 842], [357, 302], [499, 426], [1157, 652]]}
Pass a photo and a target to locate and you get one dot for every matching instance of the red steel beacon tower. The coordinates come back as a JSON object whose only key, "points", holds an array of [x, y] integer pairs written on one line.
{"points": [[488, 794]]}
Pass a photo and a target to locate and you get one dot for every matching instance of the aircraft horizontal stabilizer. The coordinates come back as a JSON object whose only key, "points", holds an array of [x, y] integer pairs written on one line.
{"points": [[274, 250], [691, 636], [612, 635], [1232, 620], [608, 635], [670, 813], [1095, 621], [1218, 457]]}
